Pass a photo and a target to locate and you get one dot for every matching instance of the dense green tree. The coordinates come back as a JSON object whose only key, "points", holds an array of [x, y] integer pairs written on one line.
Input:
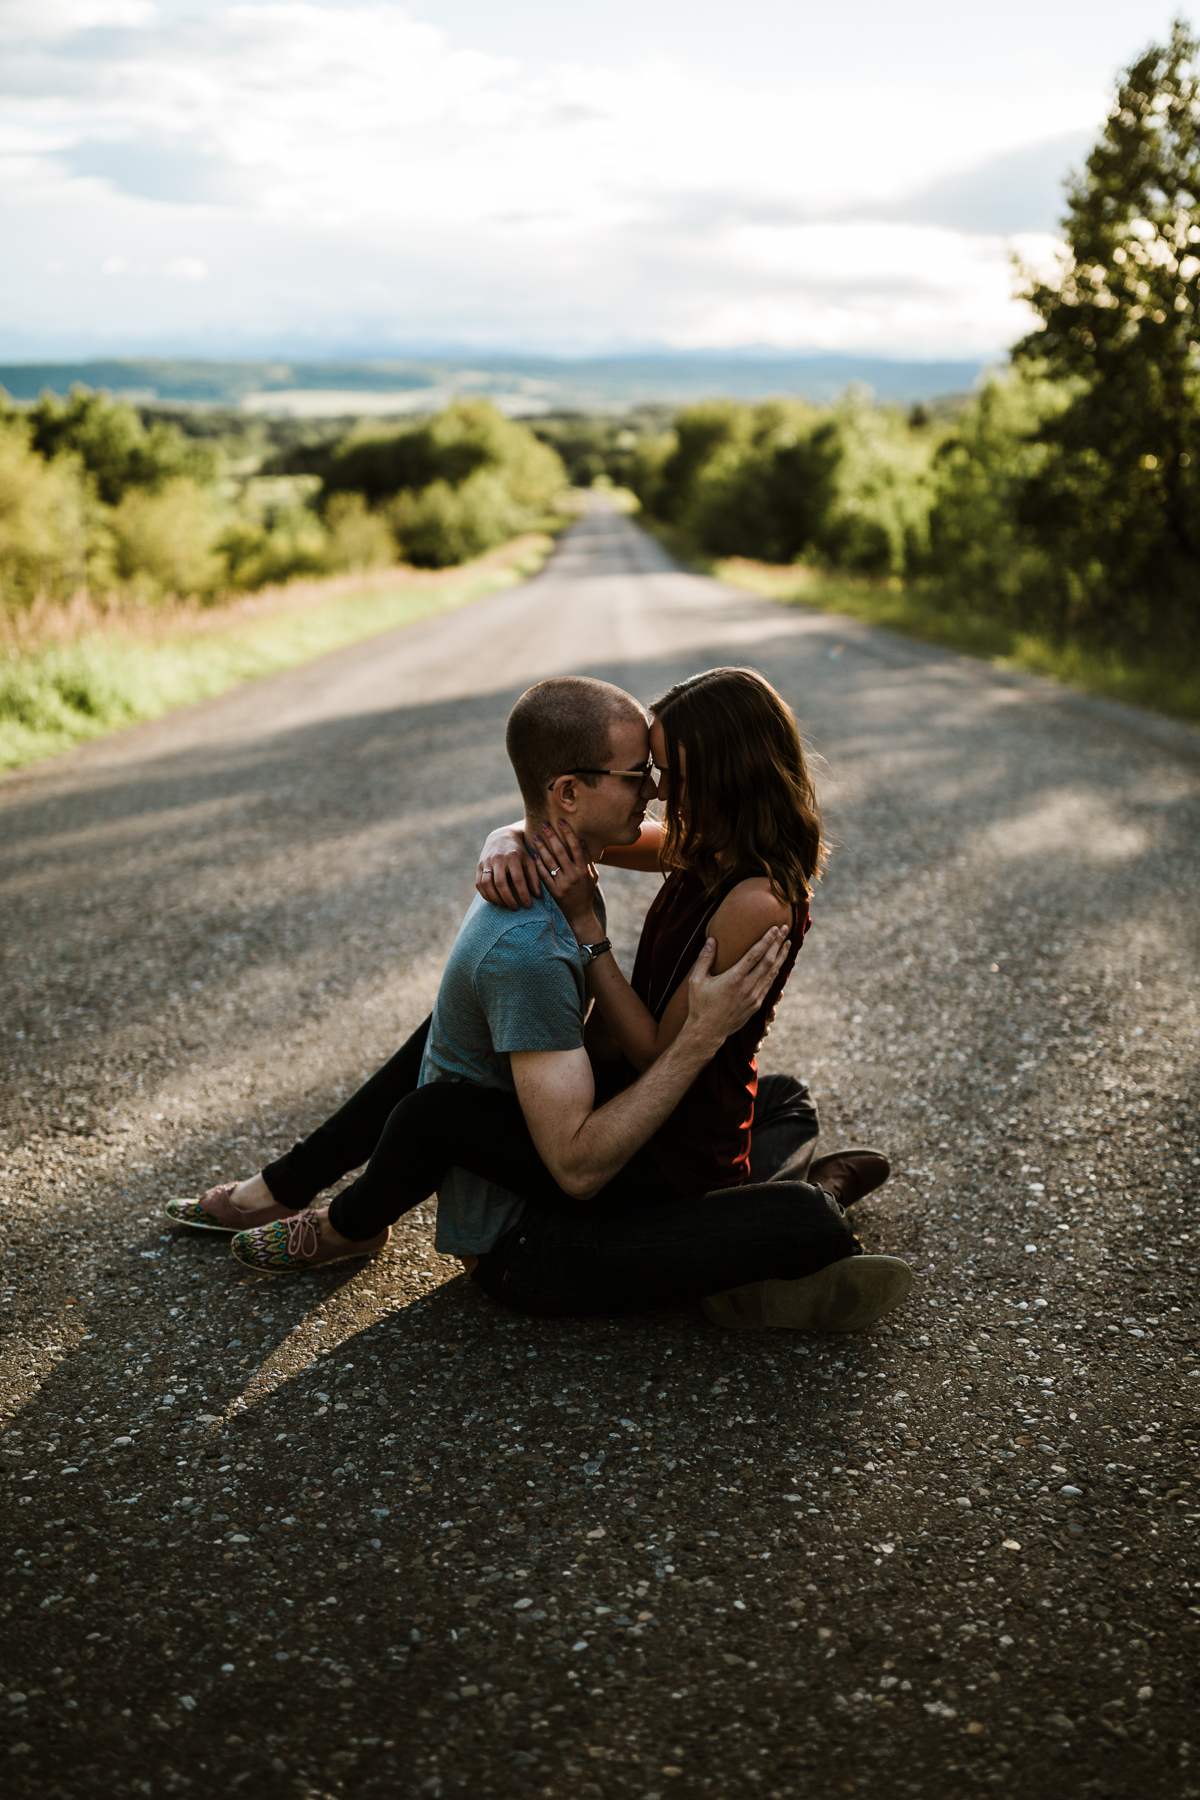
{"points": [[765, 490], [113, 445], [451, 446], [980, 555], [44, 538], [876, 513], [168, 541], [1117, 499], [699, 433]]}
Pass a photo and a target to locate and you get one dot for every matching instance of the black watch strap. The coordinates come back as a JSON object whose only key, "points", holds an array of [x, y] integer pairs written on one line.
{"points": [[592, 951]]}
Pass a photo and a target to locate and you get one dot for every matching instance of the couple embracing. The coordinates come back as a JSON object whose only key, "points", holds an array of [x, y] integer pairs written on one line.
{"points": [[598, 1144]]}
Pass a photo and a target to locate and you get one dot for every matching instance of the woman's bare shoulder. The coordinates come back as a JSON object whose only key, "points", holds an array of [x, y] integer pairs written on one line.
{"points": [[749, 910]]}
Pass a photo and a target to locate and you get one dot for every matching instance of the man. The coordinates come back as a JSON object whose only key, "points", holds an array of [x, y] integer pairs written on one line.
{"points": [[509, 1020]]}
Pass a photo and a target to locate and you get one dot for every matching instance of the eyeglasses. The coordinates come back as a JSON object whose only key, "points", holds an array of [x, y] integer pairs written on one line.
{"points": [[647, 771]]}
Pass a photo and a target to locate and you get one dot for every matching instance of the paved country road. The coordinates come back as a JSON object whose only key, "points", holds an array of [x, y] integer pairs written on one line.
{"points": [[366, 1534]]}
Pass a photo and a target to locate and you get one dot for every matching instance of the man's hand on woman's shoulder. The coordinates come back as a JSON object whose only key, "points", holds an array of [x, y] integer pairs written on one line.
{"points": [[719, 1004], [742, 918]]}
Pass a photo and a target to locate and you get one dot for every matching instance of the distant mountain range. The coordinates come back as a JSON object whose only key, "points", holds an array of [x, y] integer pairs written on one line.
{"points": [[518, 384]]}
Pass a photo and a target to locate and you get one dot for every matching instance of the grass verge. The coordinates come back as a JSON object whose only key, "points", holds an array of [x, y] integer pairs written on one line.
{"points": [[1154, 680], [141, 665]]}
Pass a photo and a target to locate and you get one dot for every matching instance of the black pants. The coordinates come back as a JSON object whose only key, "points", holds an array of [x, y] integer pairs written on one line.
{"points": [[627, 1248], [630, 1255]]}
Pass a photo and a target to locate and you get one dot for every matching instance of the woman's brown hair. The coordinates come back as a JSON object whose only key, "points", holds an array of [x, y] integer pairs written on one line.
{"points": [[747, 802]]}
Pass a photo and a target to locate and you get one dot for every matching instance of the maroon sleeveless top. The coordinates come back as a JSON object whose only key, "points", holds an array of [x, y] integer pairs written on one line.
{"points": [[706, 1141]]}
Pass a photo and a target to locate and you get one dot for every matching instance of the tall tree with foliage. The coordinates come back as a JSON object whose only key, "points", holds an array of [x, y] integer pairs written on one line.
{"points": [[1117, 500]]}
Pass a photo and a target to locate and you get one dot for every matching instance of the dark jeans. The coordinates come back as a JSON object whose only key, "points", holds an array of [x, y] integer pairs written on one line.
{"points": [[630, 1255], [629, 1247]]}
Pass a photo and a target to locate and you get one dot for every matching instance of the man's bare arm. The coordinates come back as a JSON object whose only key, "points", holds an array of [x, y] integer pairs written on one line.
{"points": [[584, 1148]]}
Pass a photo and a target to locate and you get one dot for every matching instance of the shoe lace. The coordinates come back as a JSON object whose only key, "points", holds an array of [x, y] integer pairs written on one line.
{"points": [[303, 1236]]}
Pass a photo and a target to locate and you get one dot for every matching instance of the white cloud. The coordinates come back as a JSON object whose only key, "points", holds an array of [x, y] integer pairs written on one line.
{"points": [[321, 151], [30, 21]]}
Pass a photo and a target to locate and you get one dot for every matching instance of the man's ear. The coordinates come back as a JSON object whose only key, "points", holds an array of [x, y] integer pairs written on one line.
{"points": [[564, 794]]}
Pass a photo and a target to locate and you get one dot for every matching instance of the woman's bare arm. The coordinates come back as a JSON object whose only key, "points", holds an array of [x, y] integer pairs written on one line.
{"points": [[507, 875], [645, 855], [740, 921]]}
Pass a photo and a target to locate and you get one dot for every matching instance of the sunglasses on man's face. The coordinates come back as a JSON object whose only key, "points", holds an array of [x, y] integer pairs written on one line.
{"points": [[647, 771]]}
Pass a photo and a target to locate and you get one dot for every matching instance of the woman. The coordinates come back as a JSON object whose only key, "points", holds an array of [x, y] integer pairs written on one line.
{"points": [[742, 847]]}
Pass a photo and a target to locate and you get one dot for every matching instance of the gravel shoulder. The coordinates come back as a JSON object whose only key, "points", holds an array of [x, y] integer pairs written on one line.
{"points": [[368, 1534]]}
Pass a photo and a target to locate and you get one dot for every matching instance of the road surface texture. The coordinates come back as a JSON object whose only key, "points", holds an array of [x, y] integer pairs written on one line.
{"points": [[365, 1533]]}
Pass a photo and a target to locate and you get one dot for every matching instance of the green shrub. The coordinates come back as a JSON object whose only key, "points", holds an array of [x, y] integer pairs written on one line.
{"points": [[442, 524], [167, 543], [113, 445], [357, 537], [288, 543], [43, 524]]}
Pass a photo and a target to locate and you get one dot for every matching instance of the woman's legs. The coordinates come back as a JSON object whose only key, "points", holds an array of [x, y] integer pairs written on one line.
{"points": [[443, 1125], [347, 1139], [632, 1254]]}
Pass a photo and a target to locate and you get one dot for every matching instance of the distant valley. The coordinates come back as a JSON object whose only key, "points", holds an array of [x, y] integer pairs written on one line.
{"points": [[519, 385]]}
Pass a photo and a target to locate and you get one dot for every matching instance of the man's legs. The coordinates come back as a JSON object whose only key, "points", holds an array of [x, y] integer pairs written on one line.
{"points": [[625, 1254], [449, 1123]]}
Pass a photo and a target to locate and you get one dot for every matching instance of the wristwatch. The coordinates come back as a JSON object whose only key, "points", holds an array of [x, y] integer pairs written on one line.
{"points": [[592, 951]]}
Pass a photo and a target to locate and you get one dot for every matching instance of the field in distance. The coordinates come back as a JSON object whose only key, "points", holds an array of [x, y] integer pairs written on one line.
{"points": [[519, 385]]}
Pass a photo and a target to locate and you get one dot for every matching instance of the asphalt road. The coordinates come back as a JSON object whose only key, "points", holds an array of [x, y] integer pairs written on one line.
{"points": [[367, 1534]]}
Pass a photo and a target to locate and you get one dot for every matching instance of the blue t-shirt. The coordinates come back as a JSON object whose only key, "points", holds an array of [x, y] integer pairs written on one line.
{"points": [[513, 981]]}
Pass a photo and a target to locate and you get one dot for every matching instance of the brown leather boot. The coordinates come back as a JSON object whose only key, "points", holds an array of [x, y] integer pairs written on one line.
{"points": [[849, 1174]]}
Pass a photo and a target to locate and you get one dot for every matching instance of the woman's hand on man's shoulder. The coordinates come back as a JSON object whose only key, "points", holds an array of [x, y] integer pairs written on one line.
{"points": [[506, 874]]}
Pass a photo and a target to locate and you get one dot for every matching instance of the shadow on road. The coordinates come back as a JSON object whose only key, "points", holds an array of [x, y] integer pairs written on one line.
{"points": [[491, 1543]]}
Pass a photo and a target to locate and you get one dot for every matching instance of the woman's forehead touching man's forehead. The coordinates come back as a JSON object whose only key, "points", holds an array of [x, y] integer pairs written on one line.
{"points": [[628, 742]]}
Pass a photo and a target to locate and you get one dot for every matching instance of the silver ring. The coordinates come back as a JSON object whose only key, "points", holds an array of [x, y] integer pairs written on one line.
{"points": [[553, 872]]}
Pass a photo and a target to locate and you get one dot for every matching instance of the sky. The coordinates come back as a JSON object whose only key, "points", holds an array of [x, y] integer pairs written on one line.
{"points": [[353, 177]]}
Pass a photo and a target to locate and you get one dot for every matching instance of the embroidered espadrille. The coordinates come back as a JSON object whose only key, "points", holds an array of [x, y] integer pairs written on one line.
{"points": [[185, 1211], [194, 1213], [289, 1246]]}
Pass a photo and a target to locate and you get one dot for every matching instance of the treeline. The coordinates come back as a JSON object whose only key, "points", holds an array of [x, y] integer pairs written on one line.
{"points": [[849, 486], [97, 499], [1064, 499]]}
